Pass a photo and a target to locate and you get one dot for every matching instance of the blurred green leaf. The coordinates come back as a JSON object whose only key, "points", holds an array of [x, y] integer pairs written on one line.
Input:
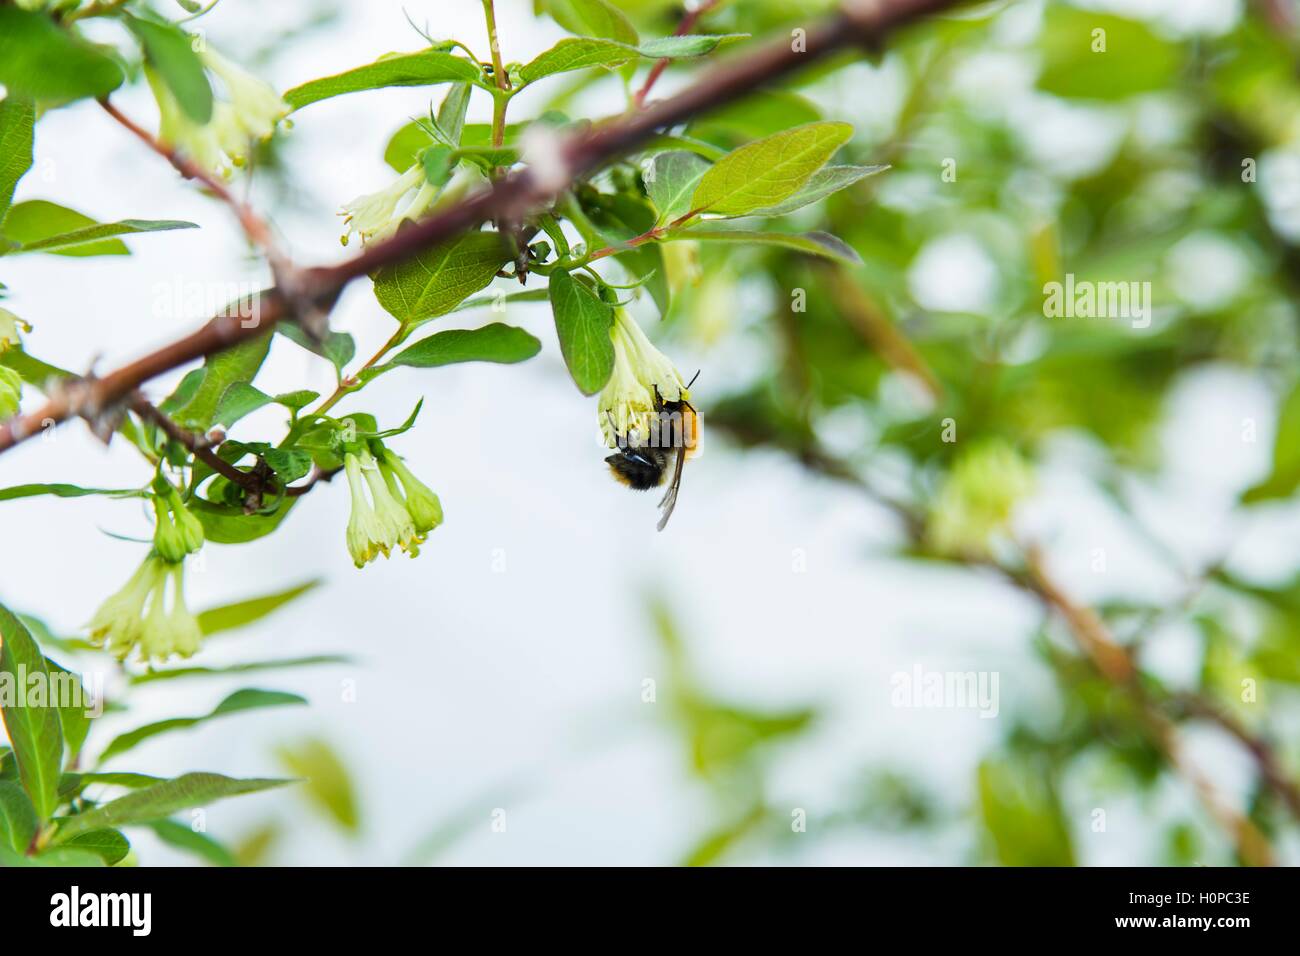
{"points": [[326, 782], [41, 61], [239, 701]]}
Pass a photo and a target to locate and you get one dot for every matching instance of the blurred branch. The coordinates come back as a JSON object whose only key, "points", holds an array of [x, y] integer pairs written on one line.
{"points": [[865, 317], [306, 295], [1112, 662]]}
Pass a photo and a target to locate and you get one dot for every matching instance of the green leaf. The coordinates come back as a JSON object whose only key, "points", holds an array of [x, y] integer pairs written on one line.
{"points": [[72, 784], [593, 18], [72, 710], [226, 524], [31, 369], [1134, 59], [148, 677], [18, 821], [66, 491], [676, 47], [241, 614], [181, 837], [34, 731], [43, 62], [296, 400], [1284, 477], [170, 51], [451, 114], [404, 69], [576, 53], [17, 120], [339, 347], [109, 845], [161, 800], [438, 279], [824, 182], [765, 172], [239, 400], [670, 181], [404, 146], [492, 343], [582, 322], [327, 783], [820, 244], [80, 859], [240, 700], [221, 372], [41, 226]]}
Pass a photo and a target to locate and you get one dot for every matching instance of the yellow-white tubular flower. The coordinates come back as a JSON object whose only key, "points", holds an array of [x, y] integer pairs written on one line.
{"points": [[627, 404], [117, 625], [379, 523], [122, 623], [249, 115], [255, 106], [10, 325], [374, 215], [200, 142], [420, 502], [411, 196]]}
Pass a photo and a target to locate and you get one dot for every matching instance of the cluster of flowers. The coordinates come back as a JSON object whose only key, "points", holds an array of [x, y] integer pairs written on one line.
{"points": [[249, 115], [141, 615], [391, 508], [978, 499]]}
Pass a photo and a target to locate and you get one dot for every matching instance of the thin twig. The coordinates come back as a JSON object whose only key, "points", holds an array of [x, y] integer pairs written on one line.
{"points": [[197, 444], [256, 228]]}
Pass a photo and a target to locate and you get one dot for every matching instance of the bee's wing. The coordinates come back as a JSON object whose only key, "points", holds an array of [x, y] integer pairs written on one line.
{"points": [[669, 500]]}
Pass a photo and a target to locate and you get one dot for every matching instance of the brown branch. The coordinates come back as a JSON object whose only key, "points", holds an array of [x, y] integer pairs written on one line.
{"points": [[316, 477], [864, 22], [686, 25]]}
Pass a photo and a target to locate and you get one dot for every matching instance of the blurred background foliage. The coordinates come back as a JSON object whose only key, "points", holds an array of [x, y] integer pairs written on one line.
{"points": [[1180, 167], [1018, 153]]}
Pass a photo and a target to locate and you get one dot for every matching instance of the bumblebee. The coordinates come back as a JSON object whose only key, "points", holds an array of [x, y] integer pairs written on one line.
{"points": [[645, 466]]}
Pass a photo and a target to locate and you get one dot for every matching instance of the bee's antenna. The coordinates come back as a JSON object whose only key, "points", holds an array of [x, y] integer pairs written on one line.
{"points": [[694, 377]]}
